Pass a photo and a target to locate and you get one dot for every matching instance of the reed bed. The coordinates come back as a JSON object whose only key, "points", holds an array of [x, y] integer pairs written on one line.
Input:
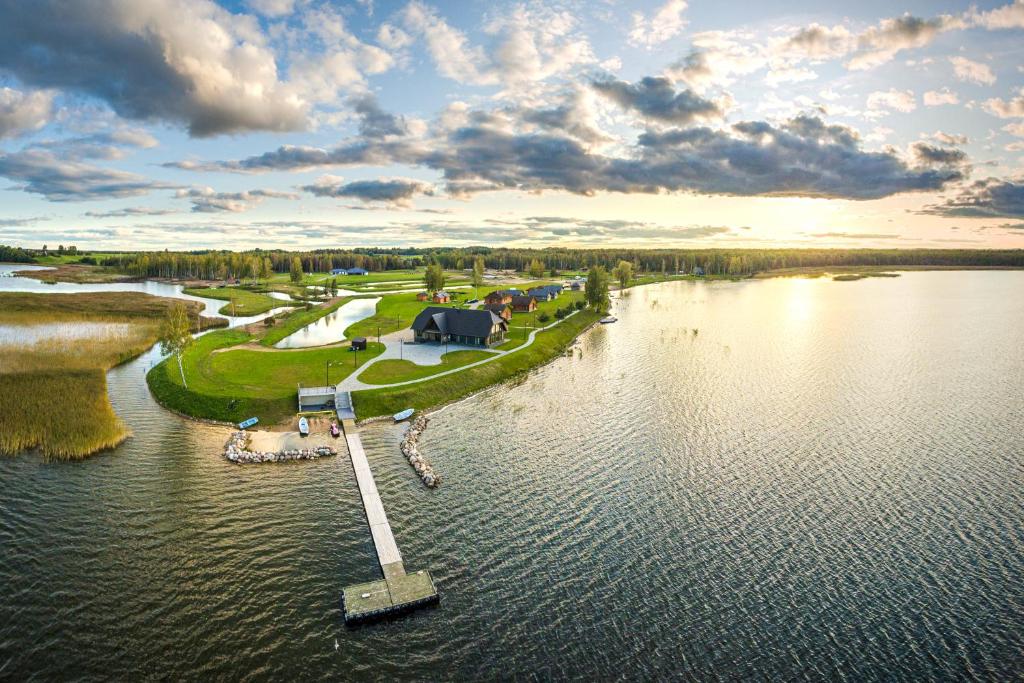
{"points": [[53, 393]]}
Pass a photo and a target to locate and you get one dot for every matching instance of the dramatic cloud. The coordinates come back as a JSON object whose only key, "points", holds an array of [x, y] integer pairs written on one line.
{"points": [[666, 22], [990, 198], [936, 98], [22, 112], [40, 171], [206, 200], [897, 100], [374, 122], [655, 98], [387, 190], [944, 156], [974, 72], [717, 58], [173, 60]]}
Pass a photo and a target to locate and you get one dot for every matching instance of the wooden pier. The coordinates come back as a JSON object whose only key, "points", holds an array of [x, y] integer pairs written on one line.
{"points": [[397, 591]]}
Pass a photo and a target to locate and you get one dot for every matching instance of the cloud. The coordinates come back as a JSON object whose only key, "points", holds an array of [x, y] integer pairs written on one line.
{"points": [[206, 200], [856, 235], [926, 154], [42, 172], [101, 145], [897, 100], [272, 8], [936, 98], [817, 42], [187, 61], [23, 112], [20, 222], [974, 72], [374, 122], [989, 198], [656, 99], [666, 22], [130, 211], [950, 138], [716, 58], [1006, 109], [1006, 17], [388, 190], [880, 43], [1015, 129]]}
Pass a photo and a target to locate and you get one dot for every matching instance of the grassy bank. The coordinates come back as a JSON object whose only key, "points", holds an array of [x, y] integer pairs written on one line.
{"points": [[29, 308], [76, 272], [240, 301], [423, 395], [232, 385], [296, 320]]}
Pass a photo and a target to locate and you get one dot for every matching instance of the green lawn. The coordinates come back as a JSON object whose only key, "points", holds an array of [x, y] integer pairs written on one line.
{"points": [[394, 312], [240, 301], [423, 395], [235, 385], [391, 371]]}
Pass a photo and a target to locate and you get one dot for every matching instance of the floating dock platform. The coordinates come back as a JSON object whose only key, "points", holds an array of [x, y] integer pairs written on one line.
{"points": [[398, 591]]}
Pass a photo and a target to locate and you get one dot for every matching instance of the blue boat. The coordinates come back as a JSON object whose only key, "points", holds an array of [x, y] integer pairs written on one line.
{"points": [[303, 426], [404, 415], [248, 423]]}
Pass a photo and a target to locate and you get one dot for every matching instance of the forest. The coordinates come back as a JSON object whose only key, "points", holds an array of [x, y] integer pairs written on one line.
{"points": [[213, 265]]}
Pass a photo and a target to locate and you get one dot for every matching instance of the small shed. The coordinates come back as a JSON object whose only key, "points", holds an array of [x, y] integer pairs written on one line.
{"points": [[422, 296], [359, 343], [441, 297]]}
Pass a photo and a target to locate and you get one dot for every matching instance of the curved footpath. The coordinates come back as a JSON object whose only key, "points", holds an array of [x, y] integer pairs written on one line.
{"points": [[393, 350]]}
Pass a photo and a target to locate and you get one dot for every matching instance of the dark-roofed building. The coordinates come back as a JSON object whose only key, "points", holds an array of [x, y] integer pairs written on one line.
{"points": [[459, 326], [503, 311], [357, 271], [524, 304], [499, 296], [441, 297], [545, 293]]}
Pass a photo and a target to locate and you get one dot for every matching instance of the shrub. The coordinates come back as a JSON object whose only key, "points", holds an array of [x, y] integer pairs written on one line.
{"points": [[580, 305], [543, 317], [560, 313]]}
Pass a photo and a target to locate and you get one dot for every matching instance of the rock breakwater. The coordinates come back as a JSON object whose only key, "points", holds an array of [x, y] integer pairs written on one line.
{"points": [[410, 447], [237, 450]]}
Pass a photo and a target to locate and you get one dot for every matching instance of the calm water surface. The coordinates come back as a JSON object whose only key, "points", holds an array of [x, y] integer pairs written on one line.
{"points": [[330, 328], [782, 480]]}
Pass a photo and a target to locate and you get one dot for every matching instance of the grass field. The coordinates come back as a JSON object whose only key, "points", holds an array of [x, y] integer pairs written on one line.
{"points": [[237, 384], [393, 370], [423, 395], [240, 301]]}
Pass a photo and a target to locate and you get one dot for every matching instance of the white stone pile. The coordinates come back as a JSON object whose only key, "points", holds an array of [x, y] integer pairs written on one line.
{"points": [[237, 450], [411, 450]]}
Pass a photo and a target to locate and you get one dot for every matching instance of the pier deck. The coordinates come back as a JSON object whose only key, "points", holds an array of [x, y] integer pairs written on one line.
{"points": [[398, 591]]}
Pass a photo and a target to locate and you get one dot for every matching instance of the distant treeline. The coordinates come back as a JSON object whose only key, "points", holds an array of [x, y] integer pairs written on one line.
{"points": [[14, 255], [214, 265]]}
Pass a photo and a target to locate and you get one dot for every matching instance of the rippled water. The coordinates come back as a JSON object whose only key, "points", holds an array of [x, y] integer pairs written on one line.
{"points": [[789, 479], [330, 328]]}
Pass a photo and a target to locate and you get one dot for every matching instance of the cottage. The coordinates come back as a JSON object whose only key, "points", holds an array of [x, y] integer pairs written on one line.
{"points": [[422, 296], [339, 271], [524, 304], [576, 286], [474, 327], [500, 296], [441, 297], [503, 311], [358, 271], [545, 293]]}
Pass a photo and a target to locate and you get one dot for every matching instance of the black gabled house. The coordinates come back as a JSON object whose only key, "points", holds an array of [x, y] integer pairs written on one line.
{"points": [[459, 326]]}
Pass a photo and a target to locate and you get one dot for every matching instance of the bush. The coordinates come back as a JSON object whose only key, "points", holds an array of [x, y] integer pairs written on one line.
{"points": [[560, 313], [87, 260], [580, 305], [543, 317]]}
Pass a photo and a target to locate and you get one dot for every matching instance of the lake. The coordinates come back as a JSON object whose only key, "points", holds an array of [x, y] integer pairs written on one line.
{"points": [[786, 480]]}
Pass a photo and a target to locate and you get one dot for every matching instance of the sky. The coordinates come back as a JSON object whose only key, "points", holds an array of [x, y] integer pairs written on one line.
{"points": [[301, 124]]}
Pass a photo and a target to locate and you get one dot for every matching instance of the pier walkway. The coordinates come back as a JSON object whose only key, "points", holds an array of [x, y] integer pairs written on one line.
{"points": [[398, 591]]}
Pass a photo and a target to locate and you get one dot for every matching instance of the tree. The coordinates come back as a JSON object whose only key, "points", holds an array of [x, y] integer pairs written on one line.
{"points": [[334, 286], [477, 278], [596, 290], [536, 269], [176, 335], [295, 273], [623, 273], [434, 277], [266, 268]]}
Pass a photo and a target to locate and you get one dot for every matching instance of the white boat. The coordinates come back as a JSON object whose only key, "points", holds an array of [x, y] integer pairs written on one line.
{"points": [[608, 319], [404, 415], [303, 426]]}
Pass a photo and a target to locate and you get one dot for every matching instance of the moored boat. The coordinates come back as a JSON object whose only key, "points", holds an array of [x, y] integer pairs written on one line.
{"points": [[608, 319], [303, 426], [335, 432], [248, 423], [404, 415]]}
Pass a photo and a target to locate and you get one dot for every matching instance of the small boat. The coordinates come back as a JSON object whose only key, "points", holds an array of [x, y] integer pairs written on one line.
{"points": [[608, 319], [404, 415], [303, 426], [248, 423], [335, 432]]}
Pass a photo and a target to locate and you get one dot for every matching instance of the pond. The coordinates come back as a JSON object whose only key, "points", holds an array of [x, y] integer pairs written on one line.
{"points": [[330, 328]]}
